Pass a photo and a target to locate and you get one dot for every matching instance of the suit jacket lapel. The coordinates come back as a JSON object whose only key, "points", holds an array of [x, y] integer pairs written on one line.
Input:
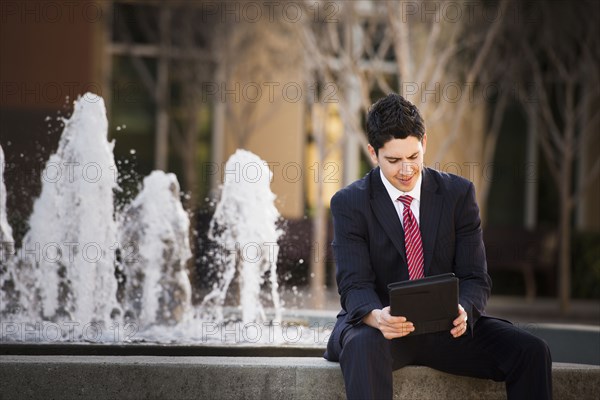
{"points": [[429, 218], [386, 214]]}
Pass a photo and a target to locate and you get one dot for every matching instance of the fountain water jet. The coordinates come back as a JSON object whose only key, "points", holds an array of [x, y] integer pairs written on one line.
{"points": [[65, 269], [137, 273], [244, 229], [68, 267], [154, 228], [9, 286], [5, 229]]}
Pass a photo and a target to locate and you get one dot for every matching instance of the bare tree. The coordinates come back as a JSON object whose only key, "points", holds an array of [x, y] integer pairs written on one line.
{"points": [[253, 71], [374, 47], [378, 47], [562, 82]]}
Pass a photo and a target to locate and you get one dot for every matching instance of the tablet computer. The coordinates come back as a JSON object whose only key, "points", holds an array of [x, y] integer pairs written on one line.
{"points": [[431, 303]]}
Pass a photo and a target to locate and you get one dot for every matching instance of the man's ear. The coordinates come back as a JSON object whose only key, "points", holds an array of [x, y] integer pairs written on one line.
{"points": [[372, 154], [424, 142]]}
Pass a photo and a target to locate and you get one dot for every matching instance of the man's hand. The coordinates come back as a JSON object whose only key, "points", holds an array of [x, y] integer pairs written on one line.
{"points": [[391, 327], [460, 323]]}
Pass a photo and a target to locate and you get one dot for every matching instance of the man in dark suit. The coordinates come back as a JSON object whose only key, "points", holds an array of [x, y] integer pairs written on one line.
{"points": [[404, 221]]}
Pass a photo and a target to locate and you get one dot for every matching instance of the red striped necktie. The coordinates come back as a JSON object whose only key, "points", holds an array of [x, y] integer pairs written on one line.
{"points": [[412, 241]]}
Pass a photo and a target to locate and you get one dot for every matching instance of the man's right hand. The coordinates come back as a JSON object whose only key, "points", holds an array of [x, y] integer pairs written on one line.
{"points": [[391, 327]]}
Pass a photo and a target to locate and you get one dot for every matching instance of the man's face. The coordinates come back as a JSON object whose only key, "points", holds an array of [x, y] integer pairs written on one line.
{"points": [[401, 161]]}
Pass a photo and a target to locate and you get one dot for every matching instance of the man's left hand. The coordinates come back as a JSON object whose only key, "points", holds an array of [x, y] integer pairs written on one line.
{"points": [[460, 323]]}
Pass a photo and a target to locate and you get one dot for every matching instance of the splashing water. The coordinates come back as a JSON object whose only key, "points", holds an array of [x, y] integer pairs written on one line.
{"points": [[67, 264], [83, 261], [244, 228], [154, 228], [9, 286], [5, 229], [65, 270]]}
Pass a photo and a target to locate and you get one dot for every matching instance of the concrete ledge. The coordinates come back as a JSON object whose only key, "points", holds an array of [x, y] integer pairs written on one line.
{"points": [[152, 377]]}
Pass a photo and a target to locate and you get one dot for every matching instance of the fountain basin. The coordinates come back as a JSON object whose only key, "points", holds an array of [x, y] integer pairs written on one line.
{"points": [[578, 344], [224, 371], [159, 377], [157, 350]]}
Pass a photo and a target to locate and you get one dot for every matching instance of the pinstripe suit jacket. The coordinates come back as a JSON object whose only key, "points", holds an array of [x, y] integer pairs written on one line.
{"points": [[369, 242]]}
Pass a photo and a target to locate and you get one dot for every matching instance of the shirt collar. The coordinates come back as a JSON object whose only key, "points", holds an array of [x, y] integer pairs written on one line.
{"points": [[394, 193]]}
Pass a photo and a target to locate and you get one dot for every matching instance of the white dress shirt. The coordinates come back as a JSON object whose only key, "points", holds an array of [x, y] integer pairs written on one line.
{"points": [[394, 193]]}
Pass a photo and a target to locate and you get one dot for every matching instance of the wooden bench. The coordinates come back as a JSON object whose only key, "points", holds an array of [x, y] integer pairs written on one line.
{"points": [[521, 250]]}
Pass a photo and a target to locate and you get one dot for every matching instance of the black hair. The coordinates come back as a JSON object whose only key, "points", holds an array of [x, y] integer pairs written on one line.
{"points": [[393, 117]]}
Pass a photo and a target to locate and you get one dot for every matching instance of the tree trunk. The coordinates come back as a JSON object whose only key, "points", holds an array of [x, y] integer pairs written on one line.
{"points": [[317, 262], [317, 282], [564, 258], [565, 235], [531, 181]]}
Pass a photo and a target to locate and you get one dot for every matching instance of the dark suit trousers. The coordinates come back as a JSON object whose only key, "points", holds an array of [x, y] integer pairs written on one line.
{"points": [[495, 349]]}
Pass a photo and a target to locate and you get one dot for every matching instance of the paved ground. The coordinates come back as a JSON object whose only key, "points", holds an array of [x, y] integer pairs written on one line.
{"points": [[517, 309]]}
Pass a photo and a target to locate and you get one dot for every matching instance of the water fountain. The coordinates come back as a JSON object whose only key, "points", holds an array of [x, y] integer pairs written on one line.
{"points": [[244, 228], [6, 245], [65, 263], [90, 272], [87, 272], [155, 229]]}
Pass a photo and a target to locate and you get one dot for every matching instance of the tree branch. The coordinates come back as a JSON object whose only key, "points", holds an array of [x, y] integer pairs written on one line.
{"points": [[553, 164], [401, 46], [543, 97], [474, 71], [592, 174]]}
